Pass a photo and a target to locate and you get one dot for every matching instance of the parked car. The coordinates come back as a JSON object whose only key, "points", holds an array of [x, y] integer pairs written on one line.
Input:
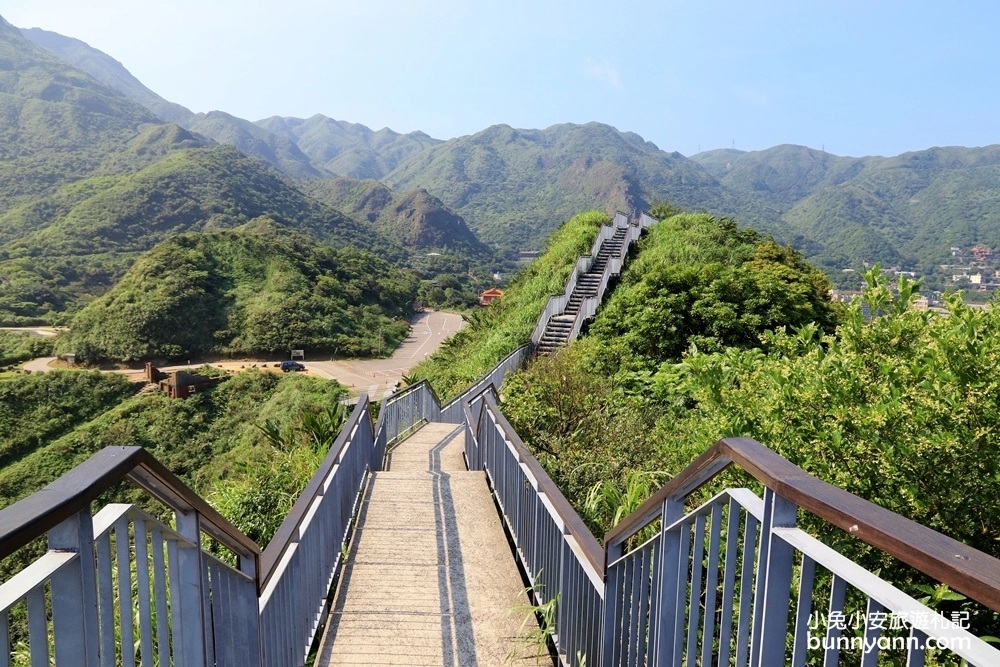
{"points": [[291, 366]]}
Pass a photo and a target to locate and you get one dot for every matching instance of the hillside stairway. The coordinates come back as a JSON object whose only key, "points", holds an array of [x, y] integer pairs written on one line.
{"points": [[557, 331], [429, 568], [565, 315]]}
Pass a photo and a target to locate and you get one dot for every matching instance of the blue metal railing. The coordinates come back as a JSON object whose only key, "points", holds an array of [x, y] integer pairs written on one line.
{"points": [[560, 556]]}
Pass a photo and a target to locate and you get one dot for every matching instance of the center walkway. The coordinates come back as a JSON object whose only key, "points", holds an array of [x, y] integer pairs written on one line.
{"points": [[430, 579]]}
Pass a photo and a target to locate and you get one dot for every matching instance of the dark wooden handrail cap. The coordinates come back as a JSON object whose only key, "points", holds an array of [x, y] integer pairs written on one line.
{"points": [[967, 570], [31, 517]]}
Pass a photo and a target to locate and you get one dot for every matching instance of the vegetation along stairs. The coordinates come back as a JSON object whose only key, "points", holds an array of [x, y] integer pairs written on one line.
{"points": [[565, 315], [402, 521]]}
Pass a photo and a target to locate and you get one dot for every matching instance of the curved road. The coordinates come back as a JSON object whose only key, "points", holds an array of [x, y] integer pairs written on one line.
{"points": [[376, 377]]}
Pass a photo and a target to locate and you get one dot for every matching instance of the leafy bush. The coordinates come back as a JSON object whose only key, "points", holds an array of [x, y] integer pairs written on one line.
{"points": [[17, 347]]}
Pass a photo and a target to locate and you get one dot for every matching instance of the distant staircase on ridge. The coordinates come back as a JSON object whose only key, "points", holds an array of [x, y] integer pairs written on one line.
{"points": [[565, 315]]}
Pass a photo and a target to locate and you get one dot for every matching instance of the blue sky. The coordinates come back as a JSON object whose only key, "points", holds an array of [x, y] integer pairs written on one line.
{"points": [[858, 78]]}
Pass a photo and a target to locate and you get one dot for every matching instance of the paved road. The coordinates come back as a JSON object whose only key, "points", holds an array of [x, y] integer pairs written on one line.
{"points": [[44, 332], [376, 377]]}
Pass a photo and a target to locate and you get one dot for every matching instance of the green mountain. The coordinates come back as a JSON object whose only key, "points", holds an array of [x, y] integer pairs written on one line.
{"points": [[416, 219], [107, 70], [260, 288], [909, 209], [217, 126], [348, 149], [254, 141], [515, 186], [73, 245], [56, 123]]}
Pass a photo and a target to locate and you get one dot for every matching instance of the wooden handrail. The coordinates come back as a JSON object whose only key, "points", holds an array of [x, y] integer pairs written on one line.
{"points": [[967, 570], [574, 524], [31, 517]]}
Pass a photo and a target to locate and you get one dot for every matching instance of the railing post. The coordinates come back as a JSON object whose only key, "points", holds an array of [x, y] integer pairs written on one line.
{"points": [[74, 593], [249, 611], [774, 569], [189, 610], [664, 616]]}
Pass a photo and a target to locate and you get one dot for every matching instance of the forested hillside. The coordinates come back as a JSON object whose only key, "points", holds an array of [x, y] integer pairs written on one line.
{"points": [[56, 123], [261, 288], [909, 209], [77, 243]]}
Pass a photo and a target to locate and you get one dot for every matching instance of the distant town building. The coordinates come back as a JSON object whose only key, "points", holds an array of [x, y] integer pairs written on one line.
{"points": [[955, 251], [981, 252], [489, 296], [976, 279]]}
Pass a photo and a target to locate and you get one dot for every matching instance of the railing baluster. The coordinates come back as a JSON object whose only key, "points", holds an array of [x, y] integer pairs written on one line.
{"points": [[872, 633], [190, 646], [729, 583], [4, 640], [105, 588], [778, 582], [123, 554], [803, 612], [682, 593], [613, 613], [38, 627], [630, 606], [160, 596], [834, 628], [711, 584], [142, 584], [74, 593], [746, 586], [667, 582], [916, 651], [694, 606], [642, 618]]}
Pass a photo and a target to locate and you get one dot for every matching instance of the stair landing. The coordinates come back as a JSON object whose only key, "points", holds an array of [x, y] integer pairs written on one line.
{"points": [[430, 578]]}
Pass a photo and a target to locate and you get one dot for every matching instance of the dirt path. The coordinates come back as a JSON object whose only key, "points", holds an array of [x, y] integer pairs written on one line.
{"points": [[376, 377]]}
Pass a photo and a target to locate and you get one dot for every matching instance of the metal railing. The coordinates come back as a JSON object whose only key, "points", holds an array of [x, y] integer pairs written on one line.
{"points": [[191, 607], [557, 304], [588, 309], [452, 412], [301, 561], [562, 559], [306, 553], [719, 583]]}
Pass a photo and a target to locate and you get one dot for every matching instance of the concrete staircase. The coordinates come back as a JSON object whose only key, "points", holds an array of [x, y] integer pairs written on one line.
{"points": [[558, 329]]}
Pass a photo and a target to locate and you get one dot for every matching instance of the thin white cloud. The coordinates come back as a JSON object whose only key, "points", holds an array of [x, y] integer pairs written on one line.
{"points": [[604, 71]]}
